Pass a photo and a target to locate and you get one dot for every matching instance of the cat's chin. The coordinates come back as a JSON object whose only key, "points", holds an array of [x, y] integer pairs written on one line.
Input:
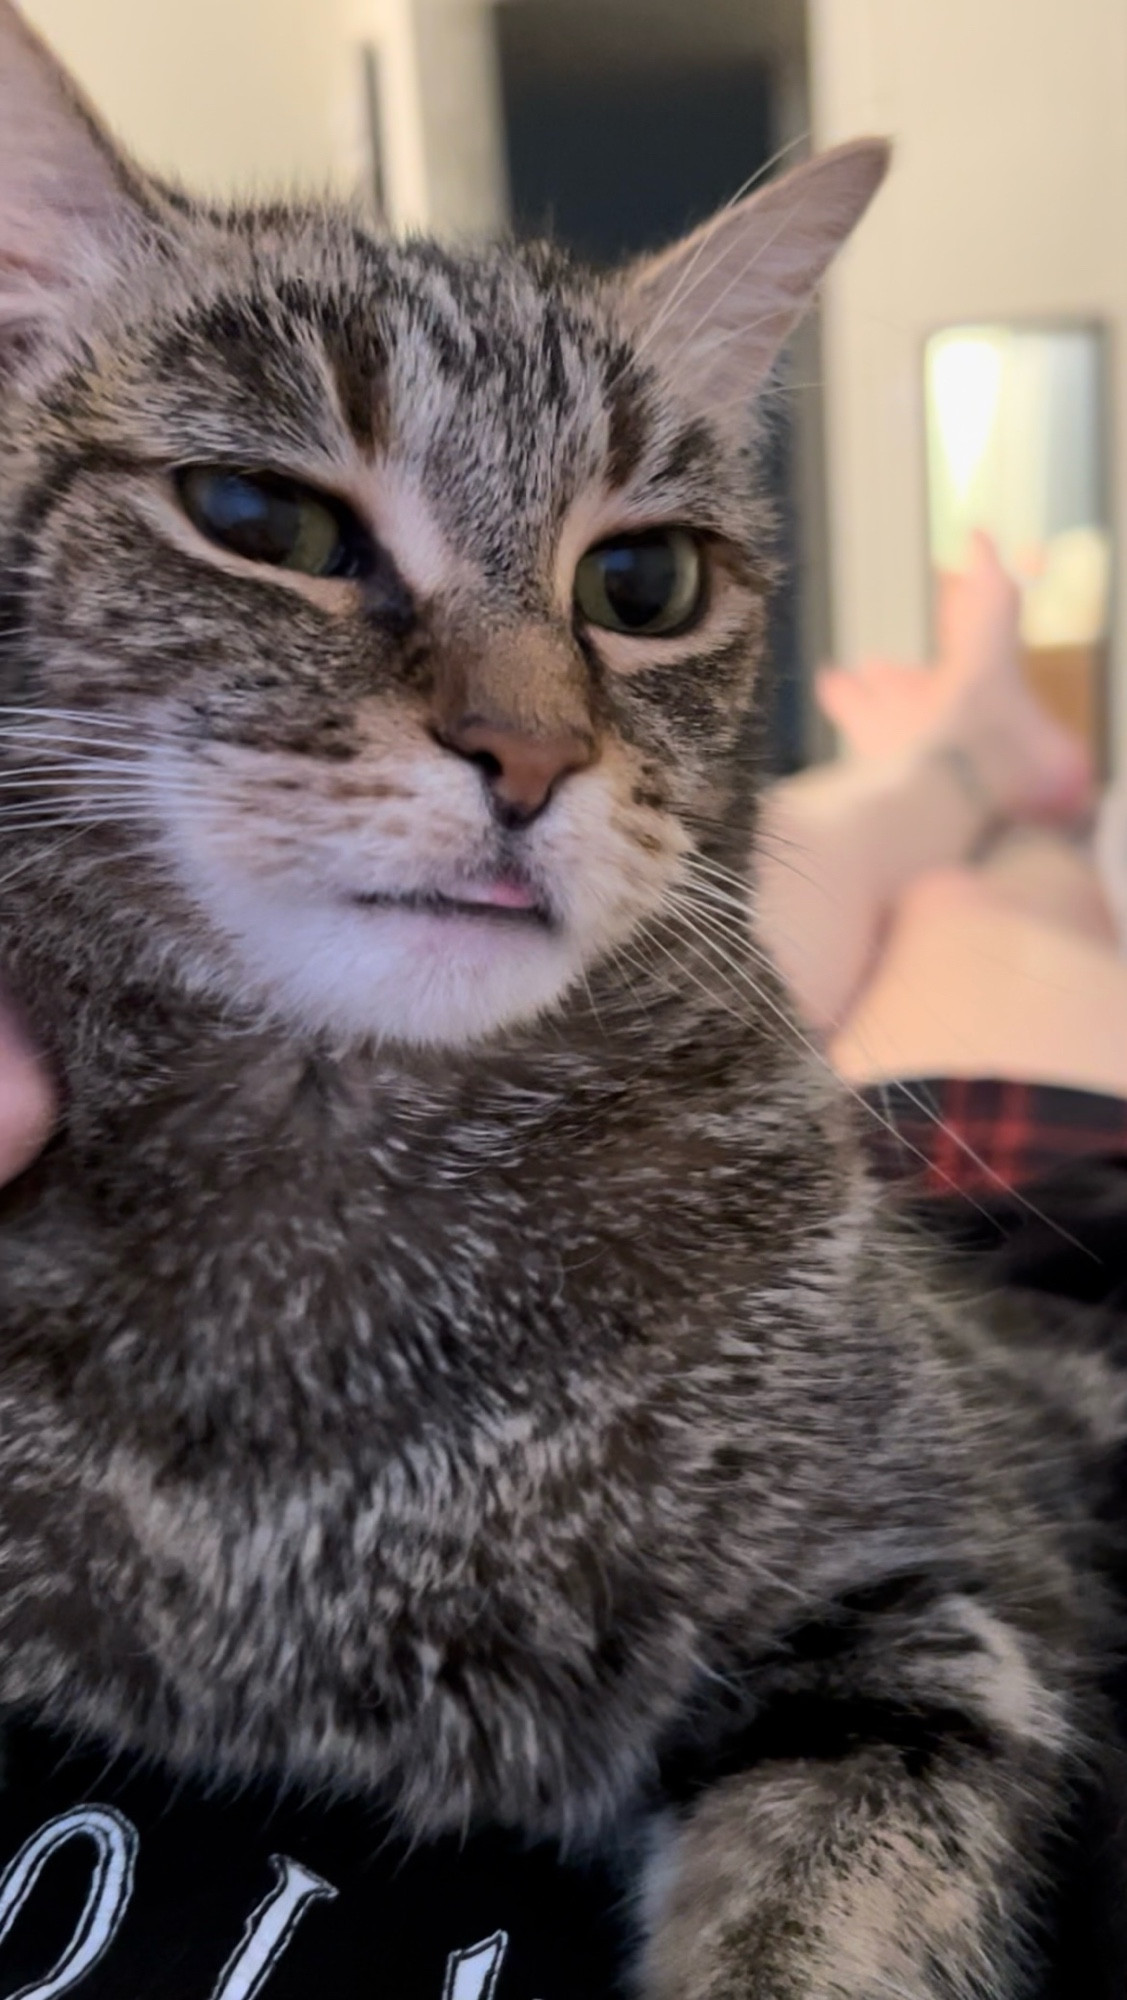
{"points": [[428, 973]]}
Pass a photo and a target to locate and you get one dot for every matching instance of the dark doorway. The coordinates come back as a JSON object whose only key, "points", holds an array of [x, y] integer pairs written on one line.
{"points": [[627, 122]]}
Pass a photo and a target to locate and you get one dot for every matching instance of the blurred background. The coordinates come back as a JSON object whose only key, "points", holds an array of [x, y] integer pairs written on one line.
{"points": [[968, 363]]}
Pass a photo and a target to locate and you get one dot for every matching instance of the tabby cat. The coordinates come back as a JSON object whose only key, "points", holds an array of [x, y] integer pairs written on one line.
{"points": [[451, 1346]]}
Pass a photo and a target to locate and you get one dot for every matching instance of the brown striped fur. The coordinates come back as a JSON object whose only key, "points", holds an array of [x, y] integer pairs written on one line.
{"points": [[470, 1363]]}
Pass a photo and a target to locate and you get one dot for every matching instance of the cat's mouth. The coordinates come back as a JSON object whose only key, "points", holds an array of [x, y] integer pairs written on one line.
{"points": [[504, 900]]}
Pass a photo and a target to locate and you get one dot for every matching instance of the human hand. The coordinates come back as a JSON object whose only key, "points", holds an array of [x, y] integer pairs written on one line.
{"points": [[27, 1100]]}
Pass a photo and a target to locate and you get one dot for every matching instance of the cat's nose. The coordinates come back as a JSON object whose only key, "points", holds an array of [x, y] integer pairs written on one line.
{"points": [[521, 770]]}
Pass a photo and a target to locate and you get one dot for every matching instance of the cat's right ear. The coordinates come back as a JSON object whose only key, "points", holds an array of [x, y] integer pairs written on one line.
{"points": [[68, 200], [715, 309]]}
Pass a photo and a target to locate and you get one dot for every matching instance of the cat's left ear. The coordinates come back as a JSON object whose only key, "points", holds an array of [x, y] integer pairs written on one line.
{"points": [[68, 199], [715, 309]]}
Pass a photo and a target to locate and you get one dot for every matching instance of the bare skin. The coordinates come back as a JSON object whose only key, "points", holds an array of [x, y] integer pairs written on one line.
{"points": [[1010, 968], [974, 981], [837, 845], [974, 695], [941, 758], [27, 1100]]}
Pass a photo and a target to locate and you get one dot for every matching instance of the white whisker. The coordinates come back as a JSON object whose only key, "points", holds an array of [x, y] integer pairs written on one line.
{"points": [[687, 283], [42, 713], [709, 931]]}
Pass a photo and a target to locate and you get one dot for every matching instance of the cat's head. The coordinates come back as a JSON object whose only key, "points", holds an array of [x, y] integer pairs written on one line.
{"points": [[392, 612]]}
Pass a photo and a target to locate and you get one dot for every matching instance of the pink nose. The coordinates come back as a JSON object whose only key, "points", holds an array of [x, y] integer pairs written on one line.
{"points": [[521, 771]]}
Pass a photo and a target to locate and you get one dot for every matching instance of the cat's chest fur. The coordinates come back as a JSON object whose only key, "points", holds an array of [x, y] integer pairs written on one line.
{"points": [[408, 1433]]}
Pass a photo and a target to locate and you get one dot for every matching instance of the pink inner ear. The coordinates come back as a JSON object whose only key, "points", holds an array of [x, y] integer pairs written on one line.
{"points": [[715, 309], [28, 284], [62, 185], [28, 267], [33, 285]]}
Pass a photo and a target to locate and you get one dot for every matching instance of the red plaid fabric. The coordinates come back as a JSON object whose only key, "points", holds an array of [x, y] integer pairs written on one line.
{"points": [[981, 1136]]}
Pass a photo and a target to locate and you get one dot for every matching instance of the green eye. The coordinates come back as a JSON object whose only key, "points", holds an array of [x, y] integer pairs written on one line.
{"points": [[268, 519], [649, 585]]}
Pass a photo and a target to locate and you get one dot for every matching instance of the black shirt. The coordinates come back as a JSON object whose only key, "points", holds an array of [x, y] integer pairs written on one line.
{"points": [[121, 1883]]}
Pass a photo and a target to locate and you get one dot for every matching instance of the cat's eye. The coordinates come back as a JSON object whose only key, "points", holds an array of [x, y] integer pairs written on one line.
{"points": [[267, 518], [650, 585]]}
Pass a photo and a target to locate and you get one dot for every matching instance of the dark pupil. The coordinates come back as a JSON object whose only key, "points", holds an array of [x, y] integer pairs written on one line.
{"points": [[256, 521], [640, 579]]}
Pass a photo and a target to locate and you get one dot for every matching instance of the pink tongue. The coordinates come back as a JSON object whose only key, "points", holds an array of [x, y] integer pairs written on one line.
{"points": [[503, 894]]}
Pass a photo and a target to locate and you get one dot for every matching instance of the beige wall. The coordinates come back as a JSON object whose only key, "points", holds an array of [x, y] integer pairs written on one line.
{"points": [[440, 113], [250, 95], [1008, 197], [225, 93]]}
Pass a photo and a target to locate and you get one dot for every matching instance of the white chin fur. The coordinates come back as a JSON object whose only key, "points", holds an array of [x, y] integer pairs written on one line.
{"points": [[273, 881], [398, 975]]}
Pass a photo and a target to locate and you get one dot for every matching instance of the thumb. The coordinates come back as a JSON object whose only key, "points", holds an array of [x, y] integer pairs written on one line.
{"points": [[27, 1100]]}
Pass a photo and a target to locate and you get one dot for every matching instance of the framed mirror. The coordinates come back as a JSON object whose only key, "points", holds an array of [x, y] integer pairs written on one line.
{"points": [[1017, 419]]}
